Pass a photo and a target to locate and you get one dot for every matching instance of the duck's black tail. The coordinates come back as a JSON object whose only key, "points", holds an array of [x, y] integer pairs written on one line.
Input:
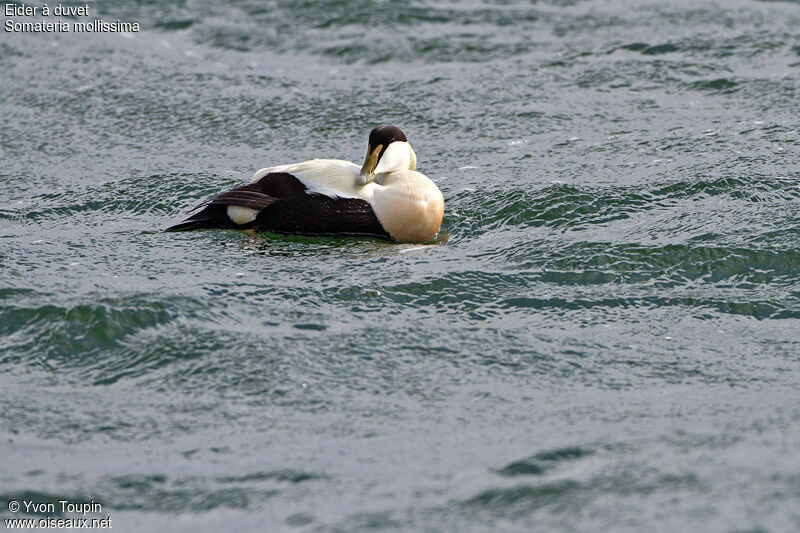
{"points": [[213, 216], [190, 224]]}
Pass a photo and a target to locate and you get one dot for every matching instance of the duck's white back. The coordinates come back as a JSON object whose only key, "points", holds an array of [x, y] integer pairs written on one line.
{"points": [[332, 177]]}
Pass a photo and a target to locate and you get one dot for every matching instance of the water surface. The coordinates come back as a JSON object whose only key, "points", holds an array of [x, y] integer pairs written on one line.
{"points": [[604, 338]]}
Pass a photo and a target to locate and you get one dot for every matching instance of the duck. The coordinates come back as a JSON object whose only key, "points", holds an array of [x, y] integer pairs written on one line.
{"points": [[385, 197]]}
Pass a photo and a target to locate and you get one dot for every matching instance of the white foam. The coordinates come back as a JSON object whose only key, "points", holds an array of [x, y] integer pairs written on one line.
{"points": [[413, 249]]}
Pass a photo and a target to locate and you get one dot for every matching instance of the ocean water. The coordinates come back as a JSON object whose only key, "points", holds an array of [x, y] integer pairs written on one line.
{"points": [[604, 337]]}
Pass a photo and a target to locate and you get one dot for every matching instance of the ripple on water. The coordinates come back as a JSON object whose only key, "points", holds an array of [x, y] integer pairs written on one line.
{"points": [[523, 500], [83, 333], [566, 206], [200, 494], [542, 462]]}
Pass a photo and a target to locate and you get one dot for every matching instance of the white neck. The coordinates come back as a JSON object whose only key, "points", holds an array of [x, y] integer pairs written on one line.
{"points": [[397, 156]]}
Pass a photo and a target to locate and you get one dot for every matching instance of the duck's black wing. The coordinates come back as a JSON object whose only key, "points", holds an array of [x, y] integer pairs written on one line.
{"points": [[284, 205], [215, 212]]}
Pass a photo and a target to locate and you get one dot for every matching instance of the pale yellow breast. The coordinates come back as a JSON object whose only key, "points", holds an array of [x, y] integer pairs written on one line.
{"points": [[408, 205]]}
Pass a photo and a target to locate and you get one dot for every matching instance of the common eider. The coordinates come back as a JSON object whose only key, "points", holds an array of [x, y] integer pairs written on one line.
{"points": [[386, 197]]}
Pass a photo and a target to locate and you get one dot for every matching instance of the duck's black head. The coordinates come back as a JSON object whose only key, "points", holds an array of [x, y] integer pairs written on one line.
{"points": [[388, 151], [386, 135]]}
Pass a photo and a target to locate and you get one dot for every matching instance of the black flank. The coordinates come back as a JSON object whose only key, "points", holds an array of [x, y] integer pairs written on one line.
{"points": [[285, 207]]}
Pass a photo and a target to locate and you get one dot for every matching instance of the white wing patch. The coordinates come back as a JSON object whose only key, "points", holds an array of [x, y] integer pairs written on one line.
{"points": [[313, 187], [331, 177], [241, 215]]}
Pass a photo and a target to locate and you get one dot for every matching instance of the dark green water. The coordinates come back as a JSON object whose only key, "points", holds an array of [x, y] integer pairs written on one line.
{"points": [[605, 337]]}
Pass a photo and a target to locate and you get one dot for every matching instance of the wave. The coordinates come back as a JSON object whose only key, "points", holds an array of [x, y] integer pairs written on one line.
{"points": [[562, 206]]}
